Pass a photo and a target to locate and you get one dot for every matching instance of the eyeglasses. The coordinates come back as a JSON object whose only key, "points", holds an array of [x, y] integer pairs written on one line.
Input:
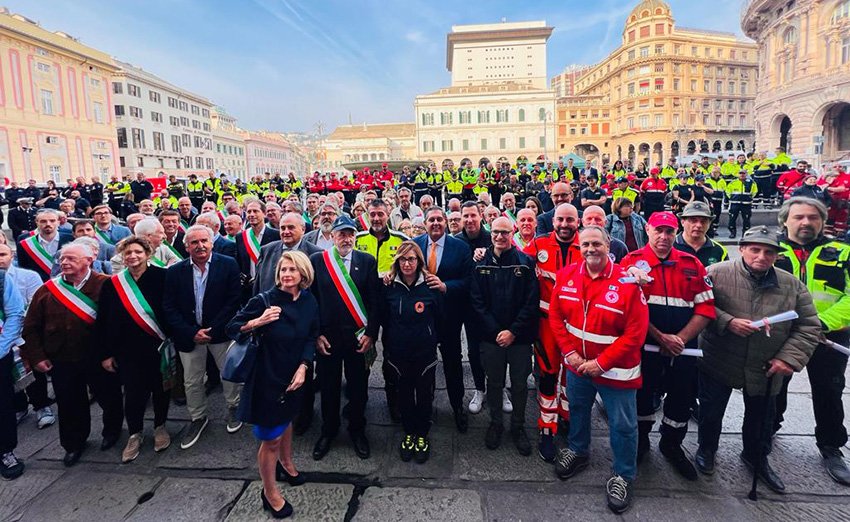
{"points": [[408, 260], [501, 232]]}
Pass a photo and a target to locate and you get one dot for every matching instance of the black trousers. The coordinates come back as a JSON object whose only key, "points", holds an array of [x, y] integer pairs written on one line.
{"points": [[716, 209], [416, 378], [473, 341], [765, 189], [34, 394], [343, 357], [745, 211], [8, 423], [713, 399], [826, 376], [308, 397], [71, 382], [197, 203], [678, 381], [141, 378], [437, 194], [650, 207], [496, 360], [450, 349], [495, 195], [468, 195]]}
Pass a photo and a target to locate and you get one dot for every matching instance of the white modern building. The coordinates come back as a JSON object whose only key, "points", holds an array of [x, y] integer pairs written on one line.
{"points": [[269, 152], [228, 145], [162, 129], [498, 107]]}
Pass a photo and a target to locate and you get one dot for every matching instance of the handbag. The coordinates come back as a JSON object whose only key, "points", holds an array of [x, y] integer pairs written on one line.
{"points": [[240, 356], [168, 364]]}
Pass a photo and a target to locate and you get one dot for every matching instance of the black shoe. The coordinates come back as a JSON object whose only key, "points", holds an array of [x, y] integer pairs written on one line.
{"points": [[569, 463], [546, 446], [619, 494], [493, 438], [766, 474], [72, 457], [302, 422], [461, 420], [422, 451], [643, 447], [322, 447], [361, 445], [109, 441], [523, 446], [833, 459], [676, 455], [732, 234], [196, 427], [281, 475], [705, 462], [284, 512], [10, 467], [405, 451]]}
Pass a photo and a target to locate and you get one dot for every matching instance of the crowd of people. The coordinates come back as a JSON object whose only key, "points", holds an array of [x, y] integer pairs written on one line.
{"points": [[594, 282]]}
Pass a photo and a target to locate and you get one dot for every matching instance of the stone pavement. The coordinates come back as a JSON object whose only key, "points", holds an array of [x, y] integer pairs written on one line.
{"points": [[463, 481]]}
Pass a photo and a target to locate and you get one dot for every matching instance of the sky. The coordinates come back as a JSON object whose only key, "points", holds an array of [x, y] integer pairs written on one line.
{"points": [[285, 65]]}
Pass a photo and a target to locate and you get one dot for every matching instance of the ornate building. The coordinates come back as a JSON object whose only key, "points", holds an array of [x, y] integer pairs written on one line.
{"points": [[357, 146], [666, 91], [803, 101]]}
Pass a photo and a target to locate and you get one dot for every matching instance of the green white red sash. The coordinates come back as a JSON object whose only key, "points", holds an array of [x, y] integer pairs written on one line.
{"points": [[38, 254], [364, 221], [102, 235], [79, 303], [511, 217], [518, 241], [183, 226], [156, 261], [222, 214], [345, 286], [136, 304], [252, 244]]}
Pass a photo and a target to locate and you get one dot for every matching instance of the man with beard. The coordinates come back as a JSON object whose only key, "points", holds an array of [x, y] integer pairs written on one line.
{"points": [[321, 236], [186, 212], [553, 252], [561, 194]]}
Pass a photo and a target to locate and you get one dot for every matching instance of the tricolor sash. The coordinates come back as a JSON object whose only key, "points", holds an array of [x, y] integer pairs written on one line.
{"points": [[345, 286], [136, 304], [511, 217], [518, 242], [364, 221], [103, 237], [222, 214], [183, 226], [37, 252], [156, 261], [79, 303], [252, 244]]}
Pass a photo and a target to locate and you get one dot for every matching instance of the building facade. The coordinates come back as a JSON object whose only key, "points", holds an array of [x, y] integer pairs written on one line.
{"points": [[162, 129], [803, 101], [268, 152], [353, 145], [498, 107], [56, 121], [666, 91], [228, 145], [564, 84]]}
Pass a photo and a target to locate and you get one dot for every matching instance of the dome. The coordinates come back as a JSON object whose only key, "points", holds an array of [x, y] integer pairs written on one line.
{"points": [[652, 6]]}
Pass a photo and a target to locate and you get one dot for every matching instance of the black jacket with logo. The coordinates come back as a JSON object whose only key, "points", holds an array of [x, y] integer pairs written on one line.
{"points": [[411, 317]]}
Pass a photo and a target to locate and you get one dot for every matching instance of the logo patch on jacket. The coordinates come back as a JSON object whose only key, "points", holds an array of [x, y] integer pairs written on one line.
{"points": [[543, 256], [612, 297], [419, 307]]}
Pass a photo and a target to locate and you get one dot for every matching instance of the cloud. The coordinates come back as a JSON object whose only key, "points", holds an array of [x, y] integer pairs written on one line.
{"points": [[415, 36]]}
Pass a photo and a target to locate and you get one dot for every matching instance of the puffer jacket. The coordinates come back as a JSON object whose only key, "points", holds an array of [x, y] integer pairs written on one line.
{"points": [[740, 362]]}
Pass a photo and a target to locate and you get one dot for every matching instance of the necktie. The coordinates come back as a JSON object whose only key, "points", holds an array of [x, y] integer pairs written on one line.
{"points": [[432, 259]]}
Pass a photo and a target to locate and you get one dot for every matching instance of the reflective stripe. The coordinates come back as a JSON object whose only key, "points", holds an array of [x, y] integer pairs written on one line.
{"points": [[826, 296], [670, 422], [546, 403], [608, 308], [622, 374], [703, 296], [548, 418], [669, 301], [544, 305], [594, 338], [568, 298], [645, 418]]}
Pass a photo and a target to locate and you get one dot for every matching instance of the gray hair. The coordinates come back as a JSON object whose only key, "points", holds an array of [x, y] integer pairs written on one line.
{"points": [[329, 204], [602, 231], [272, 205], [403, 189], [785, 209], [47, 211], [197, 228], [435, 209], [85, 249], [212, 217], [90, 242], [147, 226]]}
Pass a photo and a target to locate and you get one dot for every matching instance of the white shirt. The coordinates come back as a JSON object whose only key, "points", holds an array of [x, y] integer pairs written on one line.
{"points": [[199, 281], [51, 246], [324, 244], [441, 245], [347, 262], [260, 241], [26, 281], [83, 282]]}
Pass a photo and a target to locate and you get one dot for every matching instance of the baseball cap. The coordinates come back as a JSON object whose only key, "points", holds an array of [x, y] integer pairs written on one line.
{"points": [[696, 209], [654, 171], [621, 179], [663, 219], [762, 235], [343, 223]]}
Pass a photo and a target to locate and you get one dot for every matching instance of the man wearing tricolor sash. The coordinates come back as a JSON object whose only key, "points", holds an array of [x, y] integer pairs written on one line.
{"points": [[36, 252], [249, 242], [174, 233], [59, 337], [346, 286], [106, 231], [509, 204], [526, 225]]}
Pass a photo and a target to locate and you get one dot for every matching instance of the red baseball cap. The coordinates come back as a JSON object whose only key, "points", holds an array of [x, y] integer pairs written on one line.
{"points": [[663, 219], [654, 171]]}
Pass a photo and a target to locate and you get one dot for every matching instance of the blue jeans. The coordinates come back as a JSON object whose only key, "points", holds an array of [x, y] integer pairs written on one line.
{"points": [[622, 421]]}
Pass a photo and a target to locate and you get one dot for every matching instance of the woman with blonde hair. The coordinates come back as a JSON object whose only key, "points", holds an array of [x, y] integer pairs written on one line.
{"points": [[410, 314], [285, 321]]}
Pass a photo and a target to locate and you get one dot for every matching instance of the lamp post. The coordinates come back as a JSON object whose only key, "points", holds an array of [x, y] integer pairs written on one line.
{"points": [[27, 165]]}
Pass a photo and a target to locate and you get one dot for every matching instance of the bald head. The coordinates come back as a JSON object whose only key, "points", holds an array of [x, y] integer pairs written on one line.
{"points": [[593, 216], [561, 193], [565, 222]]}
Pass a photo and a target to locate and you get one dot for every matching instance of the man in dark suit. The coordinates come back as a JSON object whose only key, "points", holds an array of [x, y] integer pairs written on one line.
{"points": [[449, 263], [561, 193], [22, 217], [221, 245], [249, 242], [344, 340], [37, 252], [174, 237], [203, 296]]}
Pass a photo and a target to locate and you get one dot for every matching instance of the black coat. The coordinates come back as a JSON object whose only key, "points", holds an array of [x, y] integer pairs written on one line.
{"points": [[21, 220], [283, 344], [225, 247], [270, 235], [269, 256], [411, 318]]}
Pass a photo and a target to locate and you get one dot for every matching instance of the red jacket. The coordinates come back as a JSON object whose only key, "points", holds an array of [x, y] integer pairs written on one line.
{"points": [[547, 252], [789, 181], [601, 319]]}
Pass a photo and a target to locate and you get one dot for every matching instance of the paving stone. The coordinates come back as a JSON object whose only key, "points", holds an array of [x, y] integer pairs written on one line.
{"points": [[694, 508], [341, 458], [189, 500], [433, 505], [18, 492], [216, 449], [85, 496], [824, 511], [310, 502], [31, 440], [475, 462], [502, 506], [440, 464]]}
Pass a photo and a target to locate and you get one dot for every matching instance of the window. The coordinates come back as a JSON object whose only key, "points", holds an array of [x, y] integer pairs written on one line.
{"points": [[188, 162], [694, 51], [447, 145], [522, 142], [187, 141], [465, 144], [122, 138], [156, 117], [677, 49], [502, 116], [631, 36], [184, 121], [183, 106], [705, 120], [706, 84], [708, 52], [55, 172], [675, 84], [630, 123], [138, 139], [175, 144], [47, 102], [742, 119], [842, 10], [43, 67], [675, 120], [659, 67], [643, 87], [205, 113], [718, 105], [731, 87], [199, 163], [644, 70], [428, 146], [631, 55], [659, 84], [209, 163], [206, 127], [196, 110], [158, 141], [644, 51], [845, 50], [483, 143], [693, 86], [542, 142], [464, 117], [135, 112], [117, 88], [445, 118], [172, 102], [584, 130], [97, 112], [731, 54], [719, 87], [743, 87], [659, 49], [427, 119], [643, 121], [720, 53], [196, 124], [140, 161], [483, 116], [155, 97], [644, 31], [174, 121], [659, 120], [693, 70], [134, 90], [718, 120], [119, 110], [521, 115], [541, 114], [730, 120]]}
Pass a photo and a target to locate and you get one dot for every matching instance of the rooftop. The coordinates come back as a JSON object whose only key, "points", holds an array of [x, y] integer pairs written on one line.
{"points": [[374, 130]]}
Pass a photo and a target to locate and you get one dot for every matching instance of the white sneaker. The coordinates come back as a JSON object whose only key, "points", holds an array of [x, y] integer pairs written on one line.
{"points": [[477, 402], [45, 417], [507, 405]]}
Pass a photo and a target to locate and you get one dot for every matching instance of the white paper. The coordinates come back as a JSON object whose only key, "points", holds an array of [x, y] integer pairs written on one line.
{"points": [[837, 347], [778, 318], [633, 279], [693, 352]]}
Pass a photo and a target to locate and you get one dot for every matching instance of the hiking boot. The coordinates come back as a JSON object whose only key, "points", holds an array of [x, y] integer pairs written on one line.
{"points": [[406, 449], [422, 451], [619, 494], [569, 463], [133, 447]]}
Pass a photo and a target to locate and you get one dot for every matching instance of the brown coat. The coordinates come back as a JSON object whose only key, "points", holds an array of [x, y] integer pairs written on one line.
{"points": [[51, 331], [739, 362]]}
